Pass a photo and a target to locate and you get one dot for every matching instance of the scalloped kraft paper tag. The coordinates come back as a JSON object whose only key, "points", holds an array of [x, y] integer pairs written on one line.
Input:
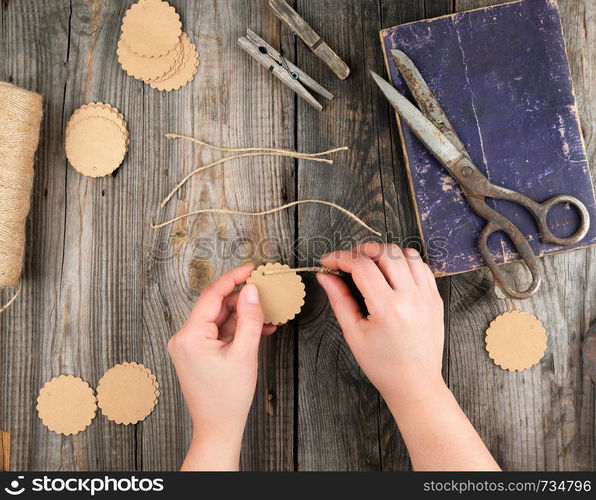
{"points": [[281, 295], [184, 72], [151, 28], [127, 394], [149, 374], [516, 340], [95, 146], [66, 404], [148, 68], [98, 109]]}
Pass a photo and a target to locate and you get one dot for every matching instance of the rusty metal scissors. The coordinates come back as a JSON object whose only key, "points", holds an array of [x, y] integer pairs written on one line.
{"points": [[432, 127]]}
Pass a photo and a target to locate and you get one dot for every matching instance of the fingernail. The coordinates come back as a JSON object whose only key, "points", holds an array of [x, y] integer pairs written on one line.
{"points": [[322, 279], [412, 252], [252, 294]]}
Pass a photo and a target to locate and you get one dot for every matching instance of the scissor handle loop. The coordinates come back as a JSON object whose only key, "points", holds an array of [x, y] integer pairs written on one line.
{"points": [[541, 213], [523, 247]]}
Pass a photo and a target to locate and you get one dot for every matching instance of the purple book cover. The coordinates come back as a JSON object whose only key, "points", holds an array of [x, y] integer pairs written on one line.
{"points": [[502, 76]]}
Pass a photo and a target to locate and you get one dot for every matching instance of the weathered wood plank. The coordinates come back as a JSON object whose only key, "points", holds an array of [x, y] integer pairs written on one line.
{"points": [[97, 317], [343, 424], [577, 440], [338, 420], [542, 418], [34, 46], [232, 102], [401, 223]]}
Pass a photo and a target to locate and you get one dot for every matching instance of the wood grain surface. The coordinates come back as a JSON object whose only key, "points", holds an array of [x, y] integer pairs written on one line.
{"points": [[101, 287]]}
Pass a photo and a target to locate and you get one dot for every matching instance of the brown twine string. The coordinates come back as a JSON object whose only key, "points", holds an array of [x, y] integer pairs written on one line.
{"points": [[238, 150], [11, 300], [223, 160], [20, 117], [266, 212], [314, 269], [246, 152]]}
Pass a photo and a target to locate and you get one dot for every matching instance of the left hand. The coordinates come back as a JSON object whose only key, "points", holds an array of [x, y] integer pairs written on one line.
{"points": [[215, 354]]}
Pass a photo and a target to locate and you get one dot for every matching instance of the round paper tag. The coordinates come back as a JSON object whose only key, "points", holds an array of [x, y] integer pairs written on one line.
{"points": [[184, 72], [516, 340], [127, 393], [281, 294], [66, 404], [151, 28], [95, 146]]}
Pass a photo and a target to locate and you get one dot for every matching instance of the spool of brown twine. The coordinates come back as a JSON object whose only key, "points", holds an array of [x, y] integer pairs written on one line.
{"points": [[20, 118]]}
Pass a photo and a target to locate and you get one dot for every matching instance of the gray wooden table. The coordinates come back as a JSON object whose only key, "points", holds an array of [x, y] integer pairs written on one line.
{"points": [[102, 287]]}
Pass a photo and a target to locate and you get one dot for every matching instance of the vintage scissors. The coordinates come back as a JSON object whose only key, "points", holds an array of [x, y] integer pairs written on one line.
{"points": [[290, 74], [432, 127]]}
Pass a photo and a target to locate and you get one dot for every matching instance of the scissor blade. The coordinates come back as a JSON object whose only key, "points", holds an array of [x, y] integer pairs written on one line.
{"points": [[425, 98], [430, 135]]}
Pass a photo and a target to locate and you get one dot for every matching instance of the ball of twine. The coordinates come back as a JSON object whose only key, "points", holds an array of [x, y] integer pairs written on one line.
{"points": [[20, 118]]}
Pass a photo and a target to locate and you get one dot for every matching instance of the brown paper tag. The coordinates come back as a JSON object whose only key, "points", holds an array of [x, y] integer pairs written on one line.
{"points": [[185, 72], [149, 374], [281, 295], [126, 394], [66, 405], [95, 146], [516, 340], [98, 109], [151, 28], [148, 68]]}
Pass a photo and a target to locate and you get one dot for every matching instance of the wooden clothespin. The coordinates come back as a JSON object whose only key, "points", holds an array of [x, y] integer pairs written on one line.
{"points": [[310, 37], [288, 73]]}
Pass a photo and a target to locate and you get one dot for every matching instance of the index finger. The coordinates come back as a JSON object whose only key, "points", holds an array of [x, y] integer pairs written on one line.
{"points": [[366, 274], [209, 304]]}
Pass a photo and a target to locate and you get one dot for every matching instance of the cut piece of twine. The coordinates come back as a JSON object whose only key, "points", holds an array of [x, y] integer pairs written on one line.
{"points": [[12, 299], [314, 269], [239, 150], [228, 158], [245, 152], [266, 212]]}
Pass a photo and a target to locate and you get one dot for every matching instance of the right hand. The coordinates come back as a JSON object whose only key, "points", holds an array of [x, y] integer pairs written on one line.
{"points": [[399, 346]]}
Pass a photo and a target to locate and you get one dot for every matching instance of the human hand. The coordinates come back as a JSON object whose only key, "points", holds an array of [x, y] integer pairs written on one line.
{"points": [[399, 346], [215, 354]]}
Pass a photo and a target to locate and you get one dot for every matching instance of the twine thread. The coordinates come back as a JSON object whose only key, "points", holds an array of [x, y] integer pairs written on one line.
{"points": [[267, 212], [228, 158], [244, 152], [313, 269], [240, 150]]}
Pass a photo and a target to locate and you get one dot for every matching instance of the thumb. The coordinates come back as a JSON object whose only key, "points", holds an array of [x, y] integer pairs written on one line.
{"points": [[249, 322]]}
